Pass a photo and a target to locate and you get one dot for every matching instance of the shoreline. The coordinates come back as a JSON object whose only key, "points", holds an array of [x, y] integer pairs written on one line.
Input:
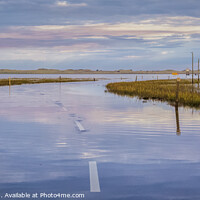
{"points": [[85, 71], [161, 90], [21, 81]]}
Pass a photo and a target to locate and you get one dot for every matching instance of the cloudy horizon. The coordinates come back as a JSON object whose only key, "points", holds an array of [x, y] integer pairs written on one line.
{"points": [[99, 34]]}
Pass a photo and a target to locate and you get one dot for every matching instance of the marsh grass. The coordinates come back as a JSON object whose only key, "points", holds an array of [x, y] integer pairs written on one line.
{"points": [[163, 90], [20, 81]]}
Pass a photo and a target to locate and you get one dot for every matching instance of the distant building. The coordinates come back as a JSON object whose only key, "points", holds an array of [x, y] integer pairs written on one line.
{"points": [[187, 72]]}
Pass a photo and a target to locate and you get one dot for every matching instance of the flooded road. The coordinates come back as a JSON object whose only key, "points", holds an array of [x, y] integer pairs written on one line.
{"points": [[75, 138]]}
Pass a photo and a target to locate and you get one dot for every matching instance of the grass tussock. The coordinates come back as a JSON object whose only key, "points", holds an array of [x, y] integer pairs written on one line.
{"points": [[20, 81], [163, 90]]}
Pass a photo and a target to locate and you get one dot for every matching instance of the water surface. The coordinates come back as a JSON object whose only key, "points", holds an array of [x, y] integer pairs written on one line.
{"points": [[135, 144]]}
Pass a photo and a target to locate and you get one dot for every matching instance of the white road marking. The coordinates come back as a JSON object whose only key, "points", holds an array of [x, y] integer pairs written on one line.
{"points": [[65, 109], [79, 125], [58, 103], [94, 178]]}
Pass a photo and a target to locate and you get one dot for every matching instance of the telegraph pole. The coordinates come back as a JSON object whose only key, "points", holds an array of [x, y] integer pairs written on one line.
{"points": [[192, 68], [198, 71]]}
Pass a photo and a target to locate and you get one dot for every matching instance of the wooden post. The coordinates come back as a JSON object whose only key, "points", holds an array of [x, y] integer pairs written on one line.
{"points": [[135, 78], [177, 89], [178, 132], [157, 77], [198, 71], [192, 68], [9, 80]]}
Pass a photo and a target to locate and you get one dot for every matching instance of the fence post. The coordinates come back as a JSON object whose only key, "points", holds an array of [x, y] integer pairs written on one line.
{"points": [[177, 89], [192, 69], [198, 71], [9, 80]]}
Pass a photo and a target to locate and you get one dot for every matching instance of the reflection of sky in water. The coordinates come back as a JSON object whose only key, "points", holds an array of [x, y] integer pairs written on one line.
{"points": [[138, 153]]}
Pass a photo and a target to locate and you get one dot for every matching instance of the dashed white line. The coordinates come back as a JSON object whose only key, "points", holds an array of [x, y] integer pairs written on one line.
{"points": [[79, 125], [94, 178], [65, 109], [58, 103]]}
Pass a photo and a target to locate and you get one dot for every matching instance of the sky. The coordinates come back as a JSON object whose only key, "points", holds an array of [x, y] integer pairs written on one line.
{"points": [[99, 34]]}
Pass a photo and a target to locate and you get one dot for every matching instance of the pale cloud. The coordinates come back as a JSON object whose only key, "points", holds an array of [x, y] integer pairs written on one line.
{"points": [[25, 54], [164, 52], [124, 42], [132, 57], [153, 29], [67, 4], [62, 3], [50, 54], [167, 52]]}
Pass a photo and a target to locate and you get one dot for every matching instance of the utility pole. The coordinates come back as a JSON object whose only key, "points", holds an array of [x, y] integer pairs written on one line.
{"points": [[192, 68], [198, 71]]}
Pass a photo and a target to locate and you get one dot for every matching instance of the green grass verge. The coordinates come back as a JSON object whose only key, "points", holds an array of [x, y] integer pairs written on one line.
{"points": [[163, 90], [20, 81]]}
